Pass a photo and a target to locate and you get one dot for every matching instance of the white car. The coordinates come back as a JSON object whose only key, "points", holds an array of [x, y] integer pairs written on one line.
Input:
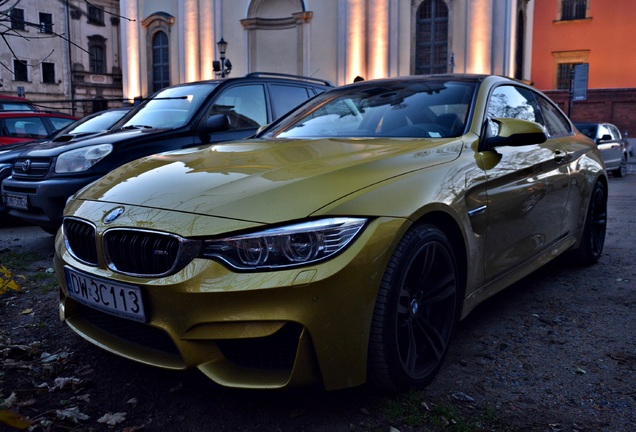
{"points": [[611, 144]]}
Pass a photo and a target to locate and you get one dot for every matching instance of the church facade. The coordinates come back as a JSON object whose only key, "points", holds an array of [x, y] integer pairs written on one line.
{"points": [[166, 42]]}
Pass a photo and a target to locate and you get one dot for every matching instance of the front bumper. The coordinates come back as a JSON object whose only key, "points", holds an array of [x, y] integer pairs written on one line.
{"points": [[249, 330], [46, 198]]}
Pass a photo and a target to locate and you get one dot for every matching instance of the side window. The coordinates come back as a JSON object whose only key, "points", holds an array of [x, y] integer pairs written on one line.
{"points": [[26, 128], [287, 97], [555, 122], [615, 132], [603, 131], [513, 102], [244, 105]]}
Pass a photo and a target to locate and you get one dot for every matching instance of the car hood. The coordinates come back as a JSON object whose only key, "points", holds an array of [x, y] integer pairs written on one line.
{"points": [[55, 148], [266, 181], [9, 153]]}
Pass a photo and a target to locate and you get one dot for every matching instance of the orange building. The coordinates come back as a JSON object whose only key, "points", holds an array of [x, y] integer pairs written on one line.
{"points": [[598, 33]]}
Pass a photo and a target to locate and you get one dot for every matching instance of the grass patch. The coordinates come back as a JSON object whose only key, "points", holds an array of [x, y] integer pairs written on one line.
{"points": [[19, 261], [18, 272], [411, 410]]}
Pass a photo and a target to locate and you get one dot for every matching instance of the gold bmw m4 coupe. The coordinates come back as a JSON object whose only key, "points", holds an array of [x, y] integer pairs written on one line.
{"points": [[341, 244]]}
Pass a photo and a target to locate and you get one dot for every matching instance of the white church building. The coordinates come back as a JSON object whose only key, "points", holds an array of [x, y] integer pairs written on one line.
{"points": [[166, 42]]}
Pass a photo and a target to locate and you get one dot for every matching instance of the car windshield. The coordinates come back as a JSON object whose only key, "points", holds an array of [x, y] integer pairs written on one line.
{"points": [[418, 109], [99, 122], [171, 107]]}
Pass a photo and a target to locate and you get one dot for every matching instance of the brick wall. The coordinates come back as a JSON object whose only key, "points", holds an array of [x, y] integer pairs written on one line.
{"points": [[617, 106]]}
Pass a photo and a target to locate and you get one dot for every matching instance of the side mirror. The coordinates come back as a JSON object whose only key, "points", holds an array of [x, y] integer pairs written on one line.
{"points": [[217, 123], [605, 137], [512, 132]]}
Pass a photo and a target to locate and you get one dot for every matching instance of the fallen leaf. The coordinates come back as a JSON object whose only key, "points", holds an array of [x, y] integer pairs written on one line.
{"points": [[112, 419], [14, 419], [11, 400], [72, 414], [460, 396], [60, 383], [27, 311], [48, 358], [84, 398], [7, 280]]}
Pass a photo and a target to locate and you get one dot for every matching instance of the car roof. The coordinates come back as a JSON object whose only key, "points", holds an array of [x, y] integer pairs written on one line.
{"points": [[264, 76], [9, 114]]}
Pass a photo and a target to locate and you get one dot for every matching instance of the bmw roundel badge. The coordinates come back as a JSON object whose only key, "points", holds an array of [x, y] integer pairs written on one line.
{"points": [[112, 215]]}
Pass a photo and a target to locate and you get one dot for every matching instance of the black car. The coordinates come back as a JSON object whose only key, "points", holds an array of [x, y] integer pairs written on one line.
{"points": [[176, 117], [87, 126]]}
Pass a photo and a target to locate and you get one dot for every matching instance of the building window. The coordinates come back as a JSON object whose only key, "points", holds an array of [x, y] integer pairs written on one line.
{"points": [[564, 75], [46, 23], [95, 15], [20, 70], [17, 19], [97, 54], [160, 61], [99, 104], [573, 9], [431, 28], [48, 73]]}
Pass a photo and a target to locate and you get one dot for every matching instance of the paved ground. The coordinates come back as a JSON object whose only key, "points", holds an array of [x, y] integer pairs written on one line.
{"points": [[554, 352]]}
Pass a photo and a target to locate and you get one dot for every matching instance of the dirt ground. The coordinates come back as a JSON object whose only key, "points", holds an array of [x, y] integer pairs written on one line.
{"points": [[554, 352]]}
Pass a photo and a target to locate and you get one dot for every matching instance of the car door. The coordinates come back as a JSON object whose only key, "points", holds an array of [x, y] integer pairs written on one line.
{"points": [[245, 107], [527, 188], [609, 143]]}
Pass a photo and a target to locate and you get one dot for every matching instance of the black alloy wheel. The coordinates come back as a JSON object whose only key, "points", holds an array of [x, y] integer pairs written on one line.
{"points": [[415, 313], [591, 247]]}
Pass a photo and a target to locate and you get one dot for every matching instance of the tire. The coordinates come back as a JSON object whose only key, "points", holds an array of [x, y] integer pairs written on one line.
{"points": [[415, 313], [591, 247], [621, 171]]}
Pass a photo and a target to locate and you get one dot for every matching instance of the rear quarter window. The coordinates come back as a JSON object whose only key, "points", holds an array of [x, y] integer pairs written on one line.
{"points": [[287, 97], [555, 122]]}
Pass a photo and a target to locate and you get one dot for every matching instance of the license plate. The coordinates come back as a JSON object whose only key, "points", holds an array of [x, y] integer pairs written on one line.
{"points": [[121, 300], [16, 201]]}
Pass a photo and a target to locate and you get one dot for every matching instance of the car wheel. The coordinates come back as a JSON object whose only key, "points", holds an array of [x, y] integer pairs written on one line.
{"points": [[415, 312], [621, 171], [591, 246]]}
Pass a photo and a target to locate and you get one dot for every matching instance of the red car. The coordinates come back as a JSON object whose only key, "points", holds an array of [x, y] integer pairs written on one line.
{"points": [[16, 103], [21, 126]]}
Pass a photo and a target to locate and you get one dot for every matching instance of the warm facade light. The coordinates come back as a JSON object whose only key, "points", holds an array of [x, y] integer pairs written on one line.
{"points": [[191, 36], [378, 30], [479, 37], [131, 54]]}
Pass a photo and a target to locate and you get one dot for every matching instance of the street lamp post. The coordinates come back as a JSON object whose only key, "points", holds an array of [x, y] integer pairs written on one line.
{"points": [[224, 66]]}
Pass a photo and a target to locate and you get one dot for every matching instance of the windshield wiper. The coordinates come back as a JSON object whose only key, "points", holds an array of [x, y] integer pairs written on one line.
{"points": [[136, 127]]}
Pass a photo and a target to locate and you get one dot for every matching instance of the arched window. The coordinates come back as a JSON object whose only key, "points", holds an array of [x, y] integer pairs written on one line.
{"points": [[160, 61], [431, 38], [158, 26]]}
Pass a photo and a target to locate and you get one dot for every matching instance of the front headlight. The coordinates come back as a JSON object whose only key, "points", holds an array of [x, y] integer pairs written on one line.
{"points": [[288, 246], [82, 159]]}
